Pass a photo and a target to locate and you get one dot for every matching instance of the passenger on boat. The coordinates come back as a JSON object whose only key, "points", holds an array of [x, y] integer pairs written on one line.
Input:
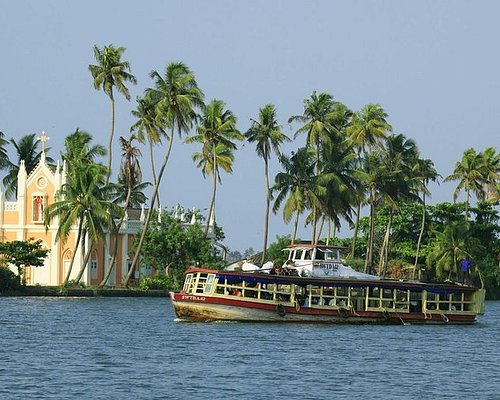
{"points": [[465, 267]]}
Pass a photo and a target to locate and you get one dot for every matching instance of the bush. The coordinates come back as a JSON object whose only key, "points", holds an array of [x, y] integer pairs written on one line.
{"points": [[8, 280], [161, 282]]}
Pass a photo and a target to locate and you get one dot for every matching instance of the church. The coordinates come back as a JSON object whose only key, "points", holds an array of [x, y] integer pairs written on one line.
{"points": [[22, 219]]}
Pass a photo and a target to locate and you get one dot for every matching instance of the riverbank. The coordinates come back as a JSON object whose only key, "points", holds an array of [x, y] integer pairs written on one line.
{"points": [[58, 291]]}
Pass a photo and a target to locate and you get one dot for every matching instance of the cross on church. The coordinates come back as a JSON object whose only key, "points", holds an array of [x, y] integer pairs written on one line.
{"points": [[43, 138]]}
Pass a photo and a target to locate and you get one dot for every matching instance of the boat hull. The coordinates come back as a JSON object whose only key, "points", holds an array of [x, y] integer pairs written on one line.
{"points": [[206, 308]]}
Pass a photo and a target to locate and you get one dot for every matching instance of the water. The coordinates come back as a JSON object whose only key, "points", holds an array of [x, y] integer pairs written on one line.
{"points": [[131, 348]]}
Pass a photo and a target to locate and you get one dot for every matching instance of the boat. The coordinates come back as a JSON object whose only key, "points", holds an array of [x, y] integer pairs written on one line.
{"points": [[315, 285]]}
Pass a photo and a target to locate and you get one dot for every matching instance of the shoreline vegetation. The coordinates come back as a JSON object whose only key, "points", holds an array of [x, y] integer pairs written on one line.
{"points": [[60, 291], [351, 161]]}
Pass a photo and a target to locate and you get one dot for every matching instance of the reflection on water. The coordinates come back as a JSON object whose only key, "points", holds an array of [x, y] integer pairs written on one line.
{"points": [[132, 348]]}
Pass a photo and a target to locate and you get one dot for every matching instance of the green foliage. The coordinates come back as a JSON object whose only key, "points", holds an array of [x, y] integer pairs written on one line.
{"points": [[275, 252], [23, 253], [161, 282], [171, 245], [8, 280]]}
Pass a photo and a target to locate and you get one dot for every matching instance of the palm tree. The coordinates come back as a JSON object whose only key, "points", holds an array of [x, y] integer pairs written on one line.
{"points": [[147, 129], [177, 97], [81, 201], [398, 159], [368, 128], [78, 149], [217, 132], [130, 173], [266, 133], [317, 119], [27, 150], [297, 186], [491, 171], [4, 157], [111, 73], [338, 170], [448, 248], [424, 172], [469, 172]]}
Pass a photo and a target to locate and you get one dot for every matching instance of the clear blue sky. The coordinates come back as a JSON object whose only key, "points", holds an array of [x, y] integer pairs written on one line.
{"points": [[433, 65]]}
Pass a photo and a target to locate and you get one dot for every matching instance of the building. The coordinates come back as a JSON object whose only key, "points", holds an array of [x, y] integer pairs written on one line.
{"points": [[22, 219]]}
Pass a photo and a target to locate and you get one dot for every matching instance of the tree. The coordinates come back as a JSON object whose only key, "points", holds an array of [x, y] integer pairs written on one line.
{"points": [[368, 128], [469, 172], [424, 172], [111, 73], [4, 157], [448, 248], [491, 172], [177, 97], [27, 150], [317, 119], [148, 129], [266, 133], [23, 253], [170, 247], [297, 186], [130, 174], [216, 132]]}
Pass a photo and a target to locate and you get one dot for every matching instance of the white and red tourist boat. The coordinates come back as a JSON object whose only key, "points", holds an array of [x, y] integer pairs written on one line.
{"points": [[315, 285]]}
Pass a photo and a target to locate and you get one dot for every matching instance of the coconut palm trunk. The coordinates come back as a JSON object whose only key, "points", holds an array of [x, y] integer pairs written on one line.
{"points": [[266, 217], [153, 171], [78, 239], [356, 230], [211, 214], [85, 262], [295, 225], [150, 212], [115, 244], [111, 134], [369, 252], [384, 251], [420, 236]]}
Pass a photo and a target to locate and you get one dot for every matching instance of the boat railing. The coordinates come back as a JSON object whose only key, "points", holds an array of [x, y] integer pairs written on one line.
{"points": [[350, 297]]}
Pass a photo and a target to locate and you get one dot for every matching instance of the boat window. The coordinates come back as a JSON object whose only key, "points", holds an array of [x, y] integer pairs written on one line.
{"points": [[307, 254], [209, 283], [187, 283]]}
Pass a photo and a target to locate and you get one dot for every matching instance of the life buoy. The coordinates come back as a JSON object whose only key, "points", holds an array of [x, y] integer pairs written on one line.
{"points": [[280, 309], [343, 313]]}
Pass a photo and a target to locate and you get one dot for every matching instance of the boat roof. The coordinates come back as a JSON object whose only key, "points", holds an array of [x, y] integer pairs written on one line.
{"points": [[315, 246], [337, 281]]}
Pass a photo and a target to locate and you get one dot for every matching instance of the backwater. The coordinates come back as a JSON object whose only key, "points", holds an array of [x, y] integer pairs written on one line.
{"points": [[132, 348]]}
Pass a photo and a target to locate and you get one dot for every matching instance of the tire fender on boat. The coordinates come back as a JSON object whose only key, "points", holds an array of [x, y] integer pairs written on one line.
{"points": [[280, 309], [343, 312], [387, 315], [445, 319]]}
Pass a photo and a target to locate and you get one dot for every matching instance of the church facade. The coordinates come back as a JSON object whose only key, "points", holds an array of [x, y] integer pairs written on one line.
{"points": [[22, 219]]}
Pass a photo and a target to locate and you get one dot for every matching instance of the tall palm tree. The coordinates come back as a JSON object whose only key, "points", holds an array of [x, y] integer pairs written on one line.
{"points": [[491, 171], [399, 158], [317, 124], [177, 96], [216, 132], [266, 133], [27, 150], [424, 172], [297, 186], [130, 173], [368, 128], [469, 172], [148, 130], [4, 157], [109, 74]]}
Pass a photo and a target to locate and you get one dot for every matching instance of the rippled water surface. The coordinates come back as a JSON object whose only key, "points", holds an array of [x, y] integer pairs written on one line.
{"points": [[131, 348]]}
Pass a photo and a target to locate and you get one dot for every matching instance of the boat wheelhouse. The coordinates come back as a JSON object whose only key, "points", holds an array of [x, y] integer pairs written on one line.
{"points": [[289, 295]]}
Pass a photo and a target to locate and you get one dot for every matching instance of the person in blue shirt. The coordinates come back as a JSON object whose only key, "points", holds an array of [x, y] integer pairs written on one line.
{"points": [[465, 271]]}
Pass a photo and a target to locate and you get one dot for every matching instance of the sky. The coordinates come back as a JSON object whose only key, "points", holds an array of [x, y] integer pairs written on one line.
{"points": [[434, 66]]}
